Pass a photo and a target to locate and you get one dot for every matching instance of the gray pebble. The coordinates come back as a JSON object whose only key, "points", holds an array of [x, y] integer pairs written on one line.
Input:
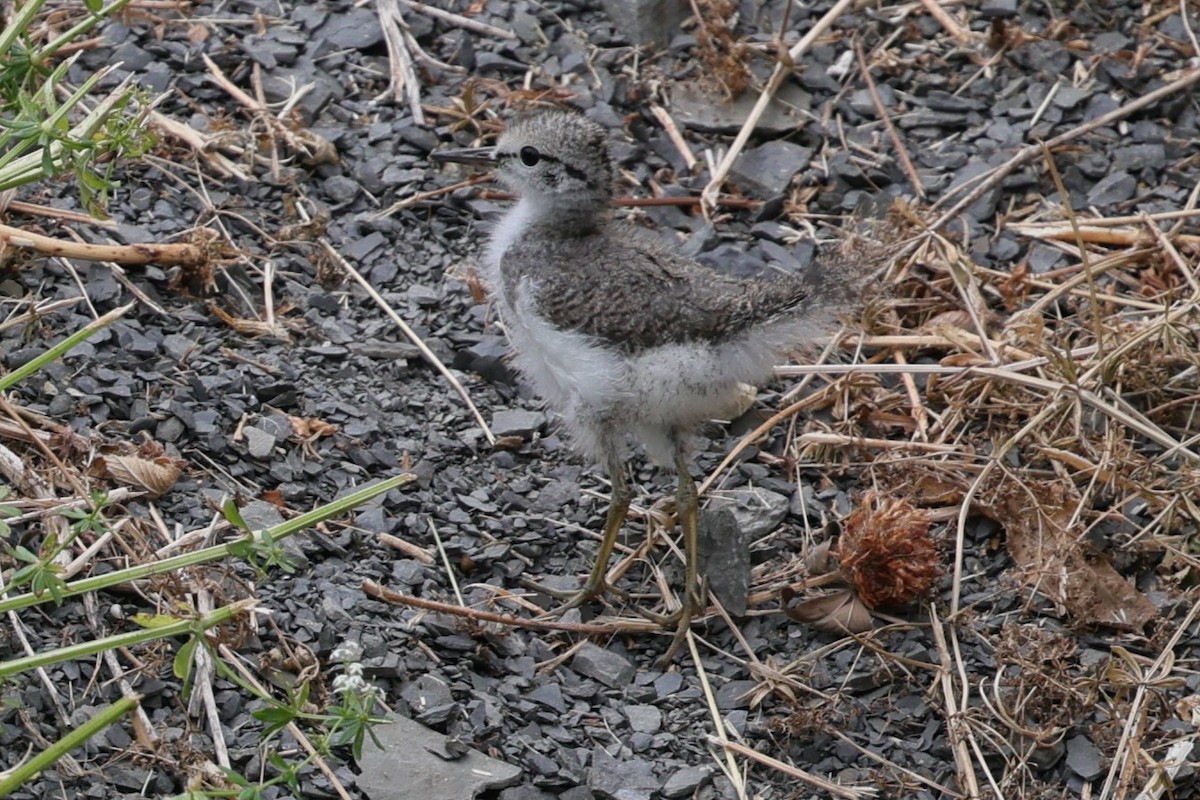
{"points": [[517, 422], [1115, 188], [644, 718], [685, 782], [611, 669], [1084, 758], [767, 170]]}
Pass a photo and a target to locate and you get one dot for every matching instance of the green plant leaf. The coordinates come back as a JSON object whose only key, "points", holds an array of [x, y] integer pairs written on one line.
{"points": [[275, 718], [154, 620], [182, 665], [233, 515]]}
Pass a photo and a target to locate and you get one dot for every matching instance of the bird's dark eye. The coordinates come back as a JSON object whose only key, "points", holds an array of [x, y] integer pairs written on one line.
{"points": [[530, 156]]}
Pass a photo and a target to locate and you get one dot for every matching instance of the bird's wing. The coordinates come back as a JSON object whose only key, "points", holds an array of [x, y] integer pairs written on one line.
{"points": [[635, 293]]}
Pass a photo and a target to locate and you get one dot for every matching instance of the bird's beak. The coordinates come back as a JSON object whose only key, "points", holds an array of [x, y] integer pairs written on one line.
{"points": [[484, 156]]}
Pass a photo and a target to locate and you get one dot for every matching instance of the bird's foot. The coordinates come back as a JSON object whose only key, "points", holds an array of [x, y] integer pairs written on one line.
{"points": [[693, 607]]}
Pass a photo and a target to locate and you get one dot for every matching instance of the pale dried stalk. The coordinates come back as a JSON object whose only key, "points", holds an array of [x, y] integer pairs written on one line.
{"points": [[672, 130], [730, 768], [901, 152], [460, 21], [835, 789], [409, 549], [293, 730], [404, 85], [1162, 667], [957, 731], [948, 23], [166, 255]]}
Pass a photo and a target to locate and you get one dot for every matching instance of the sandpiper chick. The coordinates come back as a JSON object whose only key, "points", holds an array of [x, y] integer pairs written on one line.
{"points": [[621, 334]]}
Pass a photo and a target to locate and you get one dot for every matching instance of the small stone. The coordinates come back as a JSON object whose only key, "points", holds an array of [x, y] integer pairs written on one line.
{"points": [[549, 695], [998, 8], [757, 511], [526, 792], [260, 515], [517, 422], [1043, 258], [487, 358], [1116, 188], [423, 296], [176, 346], [668, 684], [259, 443], [685, 782], [735, 694], [1069, 96], [1138, 157], [626, 779], [611, 669], [340, 189], [941, 100], [1109, 42], [356, 29], [412, 761], [643, 718], [724, 557], [647, 22], [767, 170], [359, 249], [426, 692], [1084, 758], [700, 109]]}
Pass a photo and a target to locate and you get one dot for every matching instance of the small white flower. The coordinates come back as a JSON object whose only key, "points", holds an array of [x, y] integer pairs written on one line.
{"points": [[347, 651]]}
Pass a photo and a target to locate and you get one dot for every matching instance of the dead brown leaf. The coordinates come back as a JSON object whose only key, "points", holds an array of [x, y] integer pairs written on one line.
{"points": [[308, 428], [838, 612], [1036, 516], [155, 476]]}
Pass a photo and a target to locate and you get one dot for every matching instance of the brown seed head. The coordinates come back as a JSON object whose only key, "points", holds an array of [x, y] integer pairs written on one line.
{"points": [[885, 551]]}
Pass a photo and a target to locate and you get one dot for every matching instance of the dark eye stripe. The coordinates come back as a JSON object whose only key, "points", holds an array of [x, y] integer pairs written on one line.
{"points": [[574, 172]]}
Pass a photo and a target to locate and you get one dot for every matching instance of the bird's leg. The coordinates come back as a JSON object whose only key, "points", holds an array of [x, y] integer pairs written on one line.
{"points": [[618, 507], [687, 502]]}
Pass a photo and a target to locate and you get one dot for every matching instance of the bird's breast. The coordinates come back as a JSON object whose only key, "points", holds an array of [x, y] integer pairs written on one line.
{"points": [[564, 366]]}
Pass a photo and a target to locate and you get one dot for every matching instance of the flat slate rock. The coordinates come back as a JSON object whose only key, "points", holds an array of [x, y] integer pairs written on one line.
{"points": [[701, 109], [414, 762], [724, 556]]}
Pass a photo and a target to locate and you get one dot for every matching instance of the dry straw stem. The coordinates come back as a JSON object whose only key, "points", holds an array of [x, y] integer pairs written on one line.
{"points": [[672, 130], [167, 255], [956, 706], [1162, 669], [432, 194], [203, 145], [508, 620], [58, 214], [405, 85], [460, 21], [301, 141], [881, 110], [730, 768], [817, 782], [951, 26]]}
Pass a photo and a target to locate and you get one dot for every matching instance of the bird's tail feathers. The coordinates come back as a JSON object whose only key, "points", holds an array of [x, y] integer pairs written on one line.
{"points": [[847, 273]]}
